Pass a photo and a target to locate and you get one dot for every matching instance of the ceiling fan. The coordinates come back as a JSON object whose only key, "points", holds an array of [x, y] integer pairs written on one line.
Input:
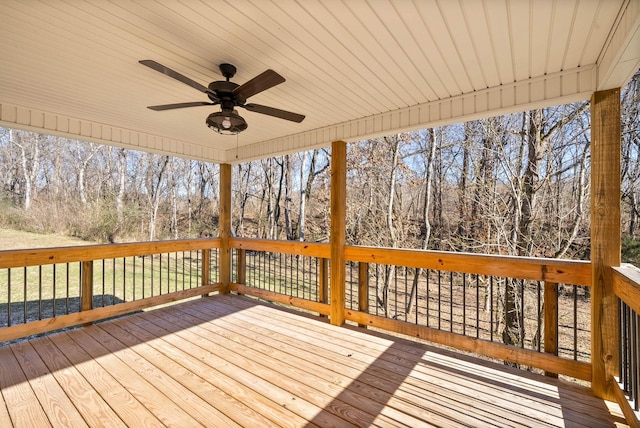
{"points": [[228, 95]]}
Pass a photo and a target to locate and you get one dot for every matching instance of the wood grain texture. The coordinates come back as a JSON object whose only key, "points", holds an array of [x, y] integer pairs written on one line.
{"points": [[538, 269], [93, 408], [323, 280], [229, 360], [22, 403], [86, 286], [272, 296], [550, 320], [626, 285], [59, 408], [337, 239], [224, 222], [363, 289], [70, 320], [107, 385], [625, 407], [605, 238], [310, 249], [45, 256], [579, 370], [241, 266]]}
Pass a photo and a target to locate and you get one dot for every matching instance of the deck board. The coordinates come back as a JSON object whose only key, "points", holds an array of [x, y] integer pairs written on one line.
{"points": [[371, 391], [55, 402], [233, 361], [309, 367], [24, 407]]}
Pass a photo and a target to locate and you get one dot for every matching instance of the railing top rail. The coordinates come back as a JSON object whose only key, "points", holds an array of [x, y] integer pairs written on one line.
{"points": [[542, 269], [576, 272], [47, 256], [311, 249], [626, 285]]}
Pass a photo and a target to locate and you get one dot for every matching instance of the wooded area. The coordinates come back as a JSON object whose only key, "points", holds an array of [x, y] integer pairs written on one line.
{"points": [[515, 184]]}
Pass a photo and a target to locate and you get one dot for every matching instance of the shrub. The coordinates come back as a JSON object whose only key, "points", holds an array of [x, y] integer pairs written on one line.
{"points": [[631, 250]]}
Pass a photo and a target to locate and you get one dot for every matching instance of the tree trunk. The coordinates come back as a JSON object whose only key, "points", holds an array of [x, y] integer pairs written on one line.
{"points": [[30, 161], [390, 270], [462, 184], [428, 190], [305, 191], [122, 182], [286, 170], [155, 178]]}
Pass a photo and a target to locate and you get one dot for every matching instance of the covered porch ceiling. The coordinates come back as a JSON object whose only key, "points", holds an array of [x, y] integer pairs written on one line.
{"points": [[355, 68]]}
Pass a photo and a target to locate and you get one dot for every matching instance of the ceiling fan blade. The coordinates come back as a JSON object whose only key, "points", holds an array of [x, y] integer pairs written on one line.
{"points": [[174, 74], [180, 105], [275, 112], [261, 82]]}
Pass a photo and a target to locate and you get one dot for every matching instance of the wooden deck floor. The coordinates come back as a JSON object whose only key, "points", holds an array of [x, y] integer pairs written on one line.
{"points": [[231, 361]]}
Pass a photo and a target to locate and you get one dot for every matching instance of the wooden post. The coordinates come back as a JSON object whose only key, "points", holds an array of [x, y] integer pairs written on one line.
{"points": [[225, 228], [241, 266], [206, 267], [605, 239], [86, 279], [323, 281], [338, 230], [363, 289], [551, 320]]}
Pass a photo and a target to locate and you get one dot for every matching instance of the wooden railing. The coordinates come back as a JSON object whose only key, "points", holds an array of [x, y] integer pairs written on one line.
{"points": [[52, 288], [48, 289], [261, 271], [626, 286], [463, 272]]}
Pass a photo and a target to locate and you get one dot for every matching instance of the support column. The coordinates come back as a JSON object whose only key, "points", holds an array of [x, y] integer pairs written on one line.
{"points": [[338, 230], [225, 228], [605, 238]]}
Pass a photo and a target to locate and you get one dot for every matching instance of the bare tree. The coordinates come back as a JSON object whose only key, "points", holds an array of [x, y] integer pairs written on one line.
{"points": [[122, 183], [428, 143], [309, 164], [286, 172], [154, 184], [630, 98], [30, 149]]}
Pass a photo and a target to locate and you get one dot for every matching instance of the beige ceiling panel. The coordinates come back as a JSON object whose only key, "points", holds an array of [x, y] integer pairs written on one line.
{"points": [[499, 27], [355, 68], [540, 40], [581, 35]]}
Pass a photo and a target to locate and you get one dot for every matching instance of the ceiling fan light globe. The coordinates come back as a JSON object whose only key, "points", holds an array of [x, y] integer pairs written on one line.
{"points": [[226, 123]]}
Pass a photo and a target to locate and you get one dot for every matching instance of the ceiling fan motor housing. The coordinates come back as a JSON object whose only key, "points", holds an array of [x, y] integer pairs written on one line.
{"points": [[223, 91]]}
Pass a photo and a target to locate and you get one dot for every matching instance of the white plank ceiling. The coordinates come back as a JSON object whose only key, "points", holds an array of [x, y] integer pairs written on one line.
{"points": [[355, 68]]}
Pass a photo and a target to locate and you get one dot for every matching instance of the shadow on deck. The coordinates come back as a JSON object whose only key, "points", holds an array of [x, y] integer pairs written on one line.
{"points": [[234, 361]]}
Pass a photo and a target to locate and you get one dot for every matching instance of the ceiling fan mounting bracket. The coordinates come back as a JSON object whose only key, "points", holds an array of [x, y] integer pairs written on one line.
{"points": [[228, 70]]}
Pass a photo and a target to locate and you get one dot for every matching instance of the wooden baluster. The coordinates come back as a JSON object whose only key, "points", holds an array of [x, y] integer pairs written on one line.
{"points": [[206, 267], [363, 289], [241, 267], [551, 320], [86, 285], [323, 281]]}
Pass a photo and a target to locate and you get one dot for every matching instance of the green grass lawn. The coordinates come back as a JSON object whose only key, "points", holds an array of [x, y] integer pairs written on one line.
{"points": [[17, 239], [39, 292]]}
